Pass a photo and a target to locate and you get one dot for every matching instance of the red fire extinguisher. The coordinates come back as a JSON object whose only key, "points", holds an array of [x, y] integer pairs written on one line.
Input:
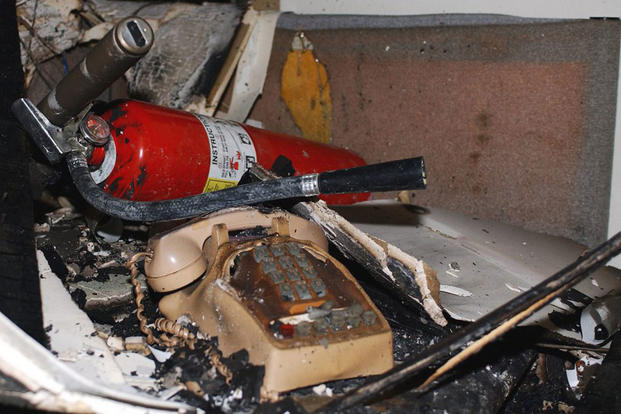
{"points": [[158, 153], [142, 162]]}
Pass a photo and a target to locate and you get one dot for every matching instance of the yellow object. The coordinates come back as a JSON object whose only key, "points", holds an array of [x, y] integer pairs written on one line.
{"points": [[214, 184], [306, 92]]}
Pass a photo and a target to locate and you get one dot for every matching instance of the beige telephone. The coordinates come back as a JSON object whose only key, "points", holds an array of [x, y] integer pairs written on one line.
{"points": [[270, 287]]}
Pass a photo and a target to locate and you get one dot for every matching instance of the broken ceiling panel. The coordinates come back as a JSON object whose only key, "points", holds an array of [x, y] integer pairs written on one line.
{"points": [[70, 331], [481, 264]]}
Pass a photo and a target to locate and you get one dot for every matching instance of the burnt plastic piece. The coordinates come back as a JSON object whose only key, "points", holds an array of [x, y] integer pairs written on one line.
{"points": [[602, 392]]}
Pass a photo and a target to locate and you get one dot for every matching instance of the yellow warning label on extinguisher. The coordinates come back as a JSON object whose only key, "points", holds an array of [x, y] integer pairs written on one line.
{"points": [[214, 184], [232, 152]]}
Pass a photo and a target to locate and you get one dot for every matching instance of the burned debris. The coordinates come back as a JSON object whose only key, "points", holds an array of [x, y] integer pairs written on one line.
{"points": [[189, 263], [205, 378]]}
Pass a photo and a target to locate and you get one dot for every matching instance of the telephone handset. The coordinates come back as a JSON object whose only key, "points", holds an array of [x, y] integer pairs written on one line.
{"points": [[268, 285]]}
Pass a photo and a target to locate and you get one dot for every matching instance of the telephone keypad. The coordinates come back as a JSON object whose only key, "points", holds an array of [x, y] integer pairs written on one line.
{"points": [[289, 260], [290, 268]]}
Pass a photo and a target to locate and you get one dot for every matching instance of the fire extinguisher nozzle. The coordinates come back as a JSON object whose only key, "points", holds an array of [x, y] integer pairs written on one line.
{"points": [[407, 174]]}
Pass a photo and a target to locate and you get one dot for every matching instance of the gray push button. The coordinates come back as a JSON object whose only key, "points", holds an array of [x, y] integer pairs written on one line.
{"points": [[293, 275], [337, 321], [286, 263], [303, 292], [309, 272], [260, 253], [276, 276], [302, 261], [355, 310], [277, 249], [294, 249], [321, 325], [319, 287], [268, 266], [369, 317], [286, 293], [303, 329], [354, 321]]}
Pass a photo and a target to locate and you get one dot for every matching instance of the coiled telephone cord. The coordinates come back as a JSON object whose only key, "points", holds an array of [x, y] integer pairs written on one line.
{"points": [[172, 334]]}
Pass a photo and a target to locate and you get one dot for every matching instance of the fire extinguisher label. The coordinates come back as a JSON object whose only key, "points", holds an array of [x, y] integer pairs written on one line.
{"points": [[232, 152]]}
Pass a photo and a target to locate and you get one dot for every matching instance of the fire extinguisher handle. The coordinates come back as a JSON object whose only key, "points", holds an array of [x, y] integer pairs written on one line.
{"points": [[407, 174], [120, 49]]}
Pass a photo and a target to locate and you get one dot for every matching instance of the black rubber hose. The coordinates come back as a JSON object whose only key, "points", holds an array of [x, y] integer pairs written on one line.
{"points": [[192, 206], [393, 175]]}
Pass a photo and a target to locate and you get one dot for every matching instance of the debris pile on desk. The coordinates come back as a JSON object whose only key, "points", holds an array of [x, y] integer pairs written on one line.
{"points": [[93, 272]]}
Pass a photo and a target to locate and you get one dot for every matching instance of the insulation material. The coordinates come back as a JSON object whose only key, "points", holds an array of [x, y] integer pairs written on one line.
{"points": [[70, 329], [111, 11], [154, 13], [306, 91], [47, 28], [186, 54]]}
